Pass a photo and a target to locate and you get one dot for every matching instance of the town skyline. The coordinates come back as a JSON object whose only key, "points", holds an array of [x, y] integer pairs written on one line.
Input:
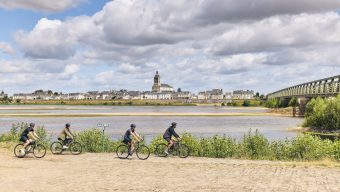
{"points": [[77, 46]]}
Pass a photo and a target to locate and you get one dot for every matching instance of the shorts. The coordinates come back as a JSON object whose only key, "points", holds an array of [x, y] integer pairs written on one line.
{"points": [[168, 139], [24, 139], [127, 140]]}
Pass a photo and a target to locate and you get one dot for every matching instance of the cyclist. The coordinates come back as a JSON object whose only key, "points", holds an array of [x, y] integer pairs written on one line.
{"points": [[66, 135], [130, 141], [28, 131], [168, 134]]}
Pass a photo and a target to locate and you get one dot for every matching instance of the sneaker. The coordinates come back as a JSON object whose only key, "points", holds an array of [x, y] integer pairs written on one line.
{"points": [[166, 152], [65, 147]]}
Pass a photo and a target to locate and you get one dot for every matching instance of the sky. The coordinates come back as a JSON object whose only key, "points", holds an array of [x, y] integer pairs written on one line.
{"points": [[196, 45]]}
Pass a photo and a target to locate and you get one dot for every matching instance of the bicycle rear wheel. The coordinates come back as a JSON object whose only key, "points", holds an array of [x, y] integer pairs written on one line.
{"points": [[56, 147], [122, 151], [160, 150], [183, 151], [39, 151], [19, 151], [76, 148], [143, 152]]}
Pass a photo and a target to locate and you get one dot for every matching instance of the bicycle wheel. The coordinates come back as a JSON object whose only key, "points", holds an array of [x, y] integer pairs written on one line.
{"points": [[183, 151], [39, 151], [19, 151], [76, 148], [143, 152], [122, 151], [160, 150], [56, 147]]}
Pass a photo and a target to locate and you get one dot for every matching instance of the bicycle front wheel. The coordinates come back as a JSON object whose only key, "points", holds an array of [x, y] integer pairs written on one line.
{"points": [[143, 152], [76, 148], [122, 151], [183, 151], [160, 150], [19, 151], [39, 151], [56, 147]]}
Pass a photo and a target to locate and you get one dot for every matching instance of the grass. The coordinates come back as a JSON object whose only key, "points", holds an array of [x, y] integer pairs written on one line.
{"points": [[253, 145]]}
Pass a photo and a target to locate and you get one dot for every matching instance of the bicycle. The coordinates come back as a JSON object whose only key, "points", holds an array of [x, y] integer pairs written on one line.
{"points": [[177, 149], [142, 151], [38, 150], [57, 147]]}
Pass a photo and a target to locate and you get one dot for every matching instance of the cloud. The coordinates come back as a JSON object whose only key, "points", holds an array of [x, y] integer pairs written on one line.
{"points": [[40, 5], [6, 48], [278, 32], [196, 45]]}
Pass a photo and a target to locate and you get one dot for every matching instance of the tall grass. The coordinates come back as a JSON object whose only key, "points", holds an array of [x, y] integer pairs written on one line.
{"points": [[253, 145]]}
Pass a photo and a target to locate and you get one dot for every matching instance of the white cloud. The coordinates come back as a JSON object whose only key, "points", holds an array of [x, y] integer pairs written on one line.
{"points": [[277, 32], [6, 48], [41, 5], [228, 44]]}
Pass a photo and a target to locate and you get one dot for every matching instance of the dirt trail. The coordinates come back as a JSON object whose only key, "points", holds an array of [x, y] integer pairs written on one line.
{"points": [[104, 172]]}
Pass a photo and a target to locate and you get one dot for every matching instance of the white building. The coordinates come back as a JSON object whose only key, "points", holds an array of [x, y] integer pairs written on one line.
{"points": [[240, 94]]}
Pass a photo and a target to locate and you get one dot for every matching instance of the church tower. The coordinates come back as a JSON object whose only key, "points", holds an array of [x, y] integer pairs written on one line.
{"points": [[156, 83]]}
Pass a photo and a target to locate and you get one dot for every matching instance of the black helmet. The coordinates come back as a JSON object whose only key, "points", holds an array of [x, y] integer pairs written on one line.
{"points": [[67, 125], [133, 126], [173, 124], [32, 124]]}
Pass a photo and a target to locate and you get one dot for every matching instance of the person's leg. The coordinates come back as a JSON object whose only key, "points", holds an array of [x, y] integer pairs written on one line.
{"points": [[132, 145], [170, 143]]}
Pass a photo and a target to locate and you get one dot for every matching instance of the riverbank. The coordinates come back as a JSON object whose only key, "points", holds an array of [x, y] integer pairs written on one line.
{"points": [[105, 172], [135, 114], [122, 102]]}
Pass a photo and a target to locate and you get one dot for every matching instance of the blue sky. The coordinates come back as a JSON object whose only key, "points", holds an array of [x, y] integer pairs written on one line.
{"points": [[83, 45]]}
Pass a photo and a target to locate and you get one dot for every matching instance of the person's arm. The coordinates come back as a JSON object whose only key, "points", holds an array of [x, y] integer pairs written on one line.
{"points": [[136, 136], [174, 133], [34, 135]]}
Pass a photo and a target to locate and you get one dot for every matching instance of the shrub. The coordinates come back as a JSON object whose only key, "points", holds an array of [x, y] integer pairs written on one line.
{"points": [[93, 141], [323, 114], [254, 146]]}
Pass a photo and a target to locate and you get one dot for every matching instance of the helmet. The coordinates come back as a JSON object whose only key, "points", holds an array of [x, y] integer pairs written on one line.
{"points": [[133, 126], [173, 124], [67, 125], [32, 124]]}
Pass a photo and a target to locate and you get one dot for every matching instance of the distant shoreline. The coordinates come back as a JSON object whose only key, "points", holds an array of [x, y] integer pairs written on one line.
{"points": [[137, 114], [235, 103]]}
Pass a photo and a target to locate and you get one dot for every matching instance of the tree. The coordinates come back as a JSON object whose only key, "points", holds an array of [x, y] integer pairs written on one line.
{"points": [[294, 103], [49, 92]]}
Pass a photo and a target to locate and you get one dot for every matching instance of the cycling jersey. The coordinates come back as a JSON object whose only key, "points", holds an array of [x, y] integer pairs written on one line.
{"points": [[127, 138], [65, 133], [26, 131], [24, 135], [169, 133]]}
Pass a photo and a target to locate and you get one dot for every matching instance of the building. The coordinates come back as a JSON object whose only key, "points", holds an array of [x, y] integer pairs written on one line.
{"points": [[215, 94], [240, 94], [157, 96], [3, 95], [160, 88]]}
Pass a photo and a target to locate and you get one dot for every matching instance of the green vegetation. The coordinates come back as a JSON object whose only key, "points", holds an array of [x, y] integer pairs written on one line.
{"points": [[252, 145], [245, 103], [323, 115]]}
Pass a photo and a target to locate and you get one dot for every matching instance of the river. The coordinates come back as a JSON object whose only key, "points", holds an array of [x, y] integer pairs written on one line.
{"points": [[273, 127]]}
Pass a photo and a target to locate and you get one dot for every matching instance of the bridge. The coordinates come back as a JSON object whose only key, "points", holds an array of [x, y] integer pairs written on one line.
{"points": [[327, 87]]}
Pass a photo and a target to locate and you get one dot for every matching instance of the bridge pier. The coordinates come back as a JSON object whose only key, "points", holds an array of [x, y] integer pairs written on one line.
{"points": [[302, 105]]}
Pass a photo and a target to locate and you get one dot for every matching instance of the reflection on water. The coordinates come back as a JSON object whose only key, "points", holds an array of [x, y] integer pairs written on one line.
{"points": [[149, 126]]}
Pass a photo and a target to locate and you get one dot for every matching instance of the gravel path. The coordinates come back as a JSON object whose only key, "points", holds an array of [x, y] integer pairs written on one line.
{"points": [[104, 172]]}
